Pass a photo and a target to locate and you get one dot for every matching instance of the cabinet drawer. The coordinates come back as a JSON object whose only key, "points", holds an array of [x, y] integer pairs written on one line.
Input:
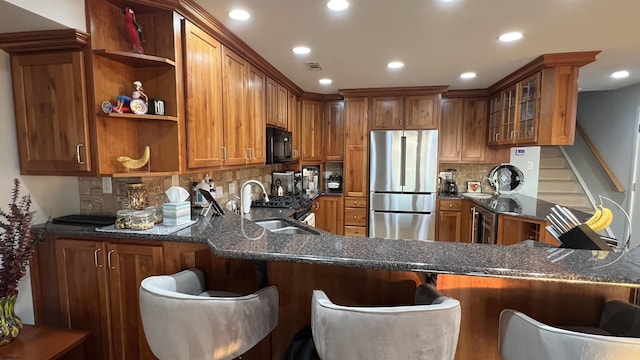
{"points": [[355, 202], [355, 231], [451, 205], [356, 217]]}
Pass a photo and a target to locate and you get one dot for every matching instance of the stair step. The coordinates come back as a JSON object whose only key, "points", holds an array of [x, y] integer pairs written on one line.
{"points": [[555, 174], [550, 151], [559, 186], [568, 200], [553, 163]]}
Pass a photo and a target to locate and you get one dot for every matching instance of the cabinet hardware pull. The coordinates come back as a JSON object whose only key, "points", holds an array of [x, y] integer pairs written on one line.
{"points": [[513, 134], [78, 159], [450, 205], [253, 153], [109, 259], [224, 153], [497, 136], [248, 152], [95, 258], [473, 224], [355, 216]]}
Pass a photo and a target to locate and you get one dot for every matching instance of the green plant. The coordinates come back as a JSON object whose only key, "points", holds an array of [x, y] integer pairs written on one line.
{"points": [[17, 241]]}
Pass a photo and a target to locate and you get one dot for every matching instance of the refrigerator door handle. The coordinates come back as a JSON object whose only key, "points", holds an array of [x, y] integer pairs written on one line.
{"points": [[403, 159]]}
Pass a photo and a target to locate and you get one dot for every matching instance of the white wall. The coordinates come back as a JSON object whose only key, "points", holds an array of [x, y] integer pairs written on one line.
{"points": [[52, 196]]}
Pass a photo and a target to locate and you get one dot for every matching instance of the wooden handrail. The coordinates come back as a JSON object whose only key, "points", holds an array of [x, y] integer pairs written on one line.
{"points": [[600, 159]]}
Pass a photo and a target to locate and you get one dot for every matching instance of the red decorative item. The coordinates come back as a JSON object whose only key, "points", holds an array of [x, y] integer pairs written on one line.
{"points": [[133, 30]]}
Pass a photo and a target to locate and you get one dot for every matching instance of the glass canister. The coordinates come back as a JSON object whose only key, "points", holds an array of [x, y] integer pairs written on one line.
{"points": [[157, 211], [143, 220], [137, 196], [123, 219]]}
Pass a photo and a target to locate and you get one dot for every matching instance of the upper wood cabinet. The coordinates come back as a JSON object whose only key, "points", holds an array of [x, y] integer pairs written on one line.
{"points": [[311, 127], [294, 126], [333, 130], [256, 120], [411, 108], [203, 90], [536, 105], [234, 109], [51, 108], [463, 129], [276, 104]]}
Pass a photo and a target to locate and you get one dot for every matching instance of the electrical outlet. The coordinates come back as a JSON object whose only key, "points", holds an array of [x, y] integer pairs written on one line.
{"points": [[232, 189], [106, 185], [175, 180], [529, 165], [219, 191]]}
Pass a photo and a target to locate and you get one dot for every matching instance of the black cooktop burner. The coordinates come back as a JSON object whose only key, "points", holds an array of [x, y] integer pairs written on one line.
{"points": [[297, 203]]}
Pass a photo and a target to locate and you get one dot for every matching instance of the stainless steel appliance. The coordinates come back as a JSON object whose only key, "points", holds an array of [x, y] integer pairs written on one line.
{"points": [[334, 183], [283, 180], [311, 179], [403, 184], [278, 145], [300, 205], [483, 226]]}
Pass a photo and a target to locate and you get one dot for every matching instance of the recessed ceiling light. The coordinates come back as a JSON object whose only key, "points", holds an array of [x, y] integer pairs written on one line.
{"points": [[511, 36], [325, 81], [337, 5], [468, 75], [239, 14], [395, 65], [620, 74], [301, 50]]}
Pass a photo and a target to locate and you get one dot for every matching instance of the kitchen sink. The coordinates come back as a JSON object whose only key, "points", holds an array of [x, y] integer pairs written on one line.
{"points": [[478, 195], [283, 226]]}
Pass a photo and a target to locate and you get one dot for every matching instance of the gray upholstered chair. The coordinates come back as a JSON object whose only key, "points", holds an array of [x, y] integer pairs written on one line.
{"points": [[616, 338], [183, 321], [427, 331]]}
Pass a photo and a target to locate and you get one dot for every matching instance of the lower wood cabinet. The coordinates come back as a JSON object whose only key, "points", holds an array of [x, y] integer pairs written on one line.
{"points": [[355, 216], [514, 229], [328, 210], [449, 227], [98, 284]]}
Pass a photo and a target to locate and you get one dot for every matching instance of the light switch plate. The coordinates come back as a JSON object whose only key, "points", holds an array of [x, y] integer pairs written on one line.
{"points": [[219, 191], [106, 185], [529, 165], [175, 180], [232, 189]]}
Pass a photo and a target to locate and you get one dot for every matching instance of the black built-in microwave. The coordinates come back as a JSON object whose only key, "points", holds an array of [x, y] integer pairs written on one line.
{"points": [[278, 145]]}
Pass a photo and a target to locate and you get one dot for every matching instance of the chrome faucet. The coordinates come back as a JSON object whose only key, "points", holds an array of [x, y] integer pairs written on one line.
{"points": [[245, 208]]}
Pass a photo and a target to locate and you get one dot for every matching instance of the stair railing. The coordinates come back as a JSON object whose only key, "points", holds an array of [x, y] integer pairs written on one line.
{"points": [[614, 180]]}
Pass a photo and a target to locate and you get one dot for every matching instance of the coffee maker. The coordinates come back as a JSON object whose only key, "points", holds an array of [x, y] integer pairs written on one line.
{"points": [[448, 182], [311, 179]]}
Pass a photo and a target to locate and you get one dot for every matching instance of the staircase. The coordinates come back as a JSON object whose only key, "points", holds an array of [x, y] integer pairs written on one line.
{"points": [[557, 183]]}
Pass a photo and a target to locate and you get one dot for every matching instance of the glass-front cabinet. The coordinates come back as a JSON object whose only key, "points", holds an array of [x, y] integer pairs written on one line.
{"points": [[514, 113], [529, 109], [495, 119]]}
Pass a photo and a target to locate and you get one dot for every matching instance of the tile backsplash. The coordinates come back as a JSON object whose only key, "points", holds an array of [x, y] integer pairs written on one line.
{"points": [[94, 202], [469, 172]]}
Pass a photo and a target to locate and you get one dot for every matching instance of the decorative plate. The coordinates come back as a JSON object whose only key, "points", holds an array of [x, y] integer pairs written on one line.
{"points": [[138, 106]]}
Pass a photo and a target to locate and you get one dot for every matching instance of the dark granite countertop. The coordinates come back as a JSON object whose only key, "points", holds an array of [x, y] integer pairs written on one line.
{"points": [[233, 236]]}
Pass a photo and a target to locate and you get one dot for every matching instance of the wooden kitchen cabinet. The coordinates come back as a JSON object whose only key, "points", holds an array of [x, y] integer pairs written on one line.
{"points": [[329, 213], [334, 130], [98, 292], [294, 126], [355, 216], [514, 229], [536, 105], [236, 150], [463, 130], [356, 143], [204, 124], [449, 225], [411, 112], [256, 116], [311, 127], [276, 104]]}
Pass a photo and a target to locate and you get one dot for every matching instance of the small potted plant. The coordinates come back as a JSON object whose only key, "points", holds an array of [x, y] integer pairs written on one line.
{"points": [[17, 243]]}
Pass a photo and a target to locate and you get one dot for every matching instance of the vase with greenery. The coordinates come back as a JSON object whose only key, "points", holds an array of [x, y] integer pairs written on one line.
{"points": [[17, 243]]}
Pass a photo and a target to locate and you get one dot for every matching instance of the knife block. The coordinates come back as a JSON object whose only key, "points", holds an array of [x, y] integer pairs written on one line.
{"points": [[583, 237]]}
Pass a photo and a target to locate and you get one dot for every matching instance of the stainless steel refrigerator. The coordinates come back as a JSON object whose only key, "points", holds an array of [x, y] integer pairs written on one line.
{"points": [[403, 184]]}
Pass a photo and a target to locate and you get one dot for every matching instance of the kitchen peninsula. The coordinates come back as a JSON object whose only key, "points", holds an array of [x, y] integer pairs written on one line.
{"points": [[366, 271]]}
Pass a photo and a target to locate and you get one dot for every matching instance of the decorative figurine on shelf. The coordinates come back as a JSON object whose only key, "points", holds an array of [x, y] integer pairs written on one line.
{"points": [[133, 30], [137, 103], [130, 163]]}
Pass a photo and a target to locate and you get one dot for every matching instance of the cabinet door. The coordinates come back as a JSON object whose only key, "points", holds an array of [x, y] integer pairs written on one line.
{"points": [[528, 109], [387, 112], [84, 298], [234, 109], [276, 104], [474, 130], [356, 176], [508, 133], [449, 226], [203, 98], [421, 112], [256, 116], [467, 221], [495, 119], [450, 130], [293, 124], [51, 113], [283, 95], [334, 131], [312, 129], [329, 214], [128, 266]]}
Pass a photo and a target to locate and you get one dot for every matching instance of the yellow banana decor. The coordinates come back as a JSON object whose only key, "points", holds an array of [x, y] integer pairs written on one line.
{"points": [[601, 219], [130, 163]]}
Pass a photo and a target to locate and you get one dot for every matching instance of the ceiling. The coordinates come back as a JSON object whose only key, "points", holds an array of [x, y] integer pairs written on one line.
{"points": [[437, 40], [15, 19]]}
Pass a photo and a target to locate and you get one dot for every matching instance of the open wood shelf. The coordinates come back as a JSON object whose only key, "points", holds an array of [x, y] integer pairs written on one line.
{"points": [[139, 116], [134, 59]]}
